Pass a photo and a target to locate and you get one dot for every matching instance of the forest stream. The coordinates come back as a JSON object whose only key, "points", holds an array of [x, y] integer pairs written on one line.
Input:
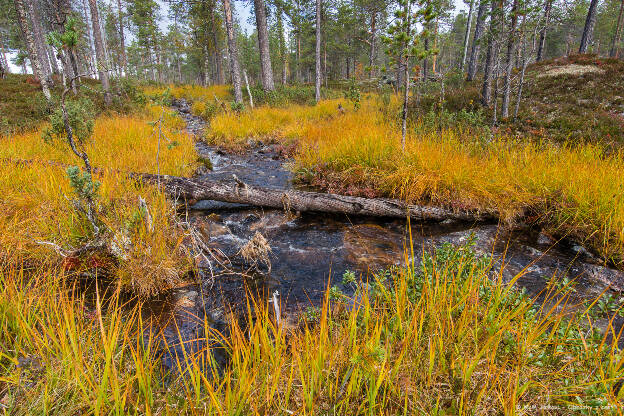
{"points": [[309, 252]]}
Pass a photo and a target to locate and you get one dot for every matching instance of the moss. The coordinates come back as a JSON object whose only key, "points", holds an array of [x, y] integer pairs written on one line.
{"points": [[577, 99], [23, 106], [205, 161]]}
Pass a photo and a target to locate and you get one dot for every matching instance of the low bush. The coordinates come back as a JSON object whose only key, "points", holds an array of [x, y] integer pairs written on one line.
{"points": [[287, 95]]}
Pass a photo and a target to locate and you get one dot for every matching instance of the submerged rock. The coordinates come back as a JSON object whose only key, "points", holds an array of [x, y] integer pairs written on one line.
{"points": [[210, 228], [370, 246]]}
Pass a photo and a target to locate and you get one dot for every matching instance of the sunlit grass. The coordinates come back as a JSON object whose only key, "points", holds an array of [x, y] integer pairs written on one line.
{"points": [[576, 191], [37, 210], [193, 92], [279, 124], [447, 339]]}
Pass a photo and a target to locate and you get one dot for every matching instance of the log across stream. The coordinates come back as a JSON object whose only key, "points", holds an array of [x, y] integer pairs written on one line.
{"points": [[312, 250]]}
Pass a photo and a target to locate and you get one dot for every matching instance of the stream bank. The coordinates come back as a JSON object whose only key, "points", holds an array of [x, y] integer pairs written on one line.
{"points": [[310, 252]]}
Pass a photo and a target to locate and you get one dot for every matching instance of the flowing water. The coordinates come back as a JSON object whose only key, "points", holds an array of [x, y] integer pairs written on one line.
{"points": [[310, 252]]}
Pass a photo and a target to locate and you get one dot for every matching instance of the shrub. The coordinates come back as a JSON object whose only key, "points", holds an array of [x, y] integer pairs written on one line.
{"points": [[80, 114]]}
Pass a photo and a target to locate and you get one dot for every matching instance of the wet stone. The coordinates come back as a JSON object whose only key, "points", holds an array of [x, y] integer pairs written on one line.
{"points": [[543, 239], [210, 228], [370, 246]]}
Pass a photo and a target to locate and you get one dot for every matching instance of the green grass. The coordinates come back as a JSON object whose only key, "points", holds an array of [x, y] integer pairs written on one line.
{"points": [[445, 338]]}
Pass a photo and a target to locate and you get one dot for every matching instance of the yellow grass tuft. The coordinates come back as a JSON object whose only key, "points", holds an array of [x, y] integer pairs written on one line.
{"points": [[193, 92], [36, 212], [268, 123]]}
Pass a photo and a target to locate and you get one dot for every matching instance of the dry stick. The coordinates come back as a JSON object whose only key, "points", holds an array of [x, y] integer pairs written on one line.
{"points": [[276, 308], [248, 90], [158, 146]]}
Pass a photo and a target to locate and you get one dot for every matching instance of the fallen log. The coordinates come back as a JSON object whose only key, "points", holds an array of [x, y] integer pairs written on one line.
{"points": [[192, 190], [303, 201]]}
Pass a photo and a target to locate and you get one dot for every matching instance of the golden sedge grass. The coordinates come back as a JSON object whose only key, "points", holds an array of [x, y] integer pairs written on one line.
{"points": [[466, 344], [577, 191], [192, 92], [36, 212]]}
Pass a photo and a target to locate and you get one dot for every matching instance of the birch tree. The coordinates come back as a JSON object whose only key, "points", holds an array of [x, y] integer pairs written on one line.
{"points": [[466, 36], [476, 40]]}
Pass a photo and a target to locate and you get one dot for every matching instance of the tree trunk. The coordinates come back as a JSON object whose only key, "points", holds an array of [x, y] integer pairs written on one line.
{"points": [[282, 44], [158, 54], [523, 72], [234, 67], [193, 190], [373, 44], [495, 100], [298, 41], [613, 52], [218, 76], [405, 102], [219, 66], [3, 58], [476, 40], [302, 201], [122, 41], [588, 30], [318, 52], [466, 36], [22, 19], [486, 92], [40, 42], [511, 46], [251, 104], [74, 64], [434, 58], [425, 64], [52, 58], [542, 38], [263, 45], [206, 80], [92, 66], [100, 56], [405, 59]]}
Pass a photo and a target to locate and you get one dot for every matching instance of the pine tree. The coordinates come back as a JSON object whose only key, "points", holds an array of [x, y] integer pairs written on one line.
{"points": [[404, 42], [588, 31], [102, 66], [29, 38], [263, 45]]}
